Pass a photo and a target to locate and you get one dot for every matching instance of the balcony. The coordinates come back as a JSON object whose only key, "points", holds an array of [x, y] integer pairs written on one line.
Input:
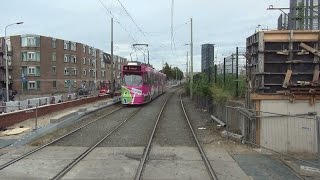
{"points": [[2, 46], [9, 50], [3, 62]]}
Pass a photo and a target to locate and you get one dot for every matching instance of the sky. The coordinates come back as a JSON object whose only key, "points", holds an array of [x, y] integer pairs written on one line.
{"points": [[225, 23]]}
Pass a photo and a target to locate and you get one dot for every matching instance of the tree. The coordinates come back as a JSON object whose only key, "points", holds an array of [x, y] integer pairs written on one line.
{"points": [[172, 72]]}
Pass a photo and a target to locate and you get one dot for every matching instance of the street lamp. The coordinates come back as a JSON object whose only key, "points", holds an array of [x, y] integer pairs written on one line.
{"points": [[6, 56]]}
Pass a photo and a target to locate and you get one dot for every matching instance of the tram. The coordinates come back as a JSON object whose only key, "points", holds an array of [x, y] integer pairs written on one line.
{"points": [[141, 83]]}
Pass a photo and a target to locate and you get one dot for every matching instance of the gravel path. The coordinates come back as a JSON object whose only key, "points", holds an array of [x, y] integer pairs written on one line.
{"points": [[137, 130], [84, 120], [95, 131], [173, 129]]}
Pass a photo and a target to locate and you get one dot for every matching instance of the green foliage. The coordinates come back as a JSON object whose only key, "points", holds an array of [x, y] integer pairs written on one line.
{"points": [[218, 90], [219, 94], [172, 73]]}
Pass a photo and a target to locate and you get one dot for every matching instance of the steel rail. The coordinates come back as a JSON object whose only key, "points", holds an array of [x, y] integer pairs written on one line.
{"points": [[84, 154], [147, 149], [212, 174], [45, 145]]}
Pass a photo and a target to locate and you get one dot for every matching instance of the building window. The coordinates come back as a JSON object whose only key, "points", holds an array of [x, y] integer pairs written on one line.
{"points": [[90, 49], [31, 70], [94, 52], [30, 41], [66, 58], [103, 64], [54, 84], [74, 59], [54, 57], [84, 72], [54, 70], [84, 60], [103, 73], [66, 45], [93, 62], [67, 83], [31, 85], [73, 46], [53, 43], [84, 48], [30, 56], [66, 71], [73, 71]]}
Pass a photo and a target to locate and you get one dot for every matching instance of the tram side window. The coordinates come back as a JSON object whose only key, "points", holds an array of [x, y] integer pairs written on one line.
{"points": [[156, 78], [152, 81], [145, 78], [149, 78]]}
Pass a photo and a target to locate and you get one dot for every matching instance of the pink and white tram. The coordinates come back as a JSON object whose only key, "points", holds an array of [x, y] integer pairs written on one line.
{"points": [[141, 83]]}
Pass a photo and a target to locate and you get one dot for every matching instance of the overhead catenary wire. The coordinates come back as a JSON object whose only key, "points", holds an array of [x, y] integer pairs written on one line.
{"points": [[129, 34], [132, 19], [117, 21]]}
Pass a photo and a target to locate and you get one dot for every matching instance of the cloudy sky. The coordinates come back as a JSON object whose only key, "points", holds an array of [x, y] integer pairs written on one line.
{"points": [[223, 23]]}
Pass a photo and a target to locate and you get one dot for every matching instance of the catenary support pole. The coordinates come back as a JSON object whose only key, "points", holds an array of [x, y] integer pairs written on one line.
{"points": [[191, 59], [112, 78]]}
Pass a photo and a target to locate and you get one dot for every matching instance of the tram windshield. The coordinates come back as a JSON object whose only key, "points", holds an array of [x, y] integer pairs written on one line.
{"points": [[132, 80]]}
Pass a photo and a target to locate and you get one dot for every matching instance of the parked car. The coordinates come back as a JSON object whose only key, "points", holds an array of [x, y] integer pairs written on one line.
{"points": [[82, 92]]}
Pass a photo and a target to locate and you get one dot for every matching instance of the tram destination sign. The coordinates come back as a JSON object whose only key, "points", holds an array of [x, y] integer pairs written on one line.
{"points": [[132, 68]]}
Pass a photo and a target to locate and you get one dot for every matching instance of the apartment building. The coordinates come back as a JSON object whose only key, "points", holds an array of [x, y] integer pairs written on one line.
{"points": [[45, 65]]}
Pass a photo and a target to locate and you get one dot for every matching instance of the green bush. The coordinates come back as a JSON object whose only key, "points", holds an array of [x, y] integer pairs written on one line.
{"points": [[220, 91]]}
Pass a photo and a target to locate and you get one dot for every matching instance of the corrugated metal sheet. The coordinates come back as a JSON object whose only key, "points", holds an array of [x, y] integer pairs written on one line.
{"points": [[289, 134]]}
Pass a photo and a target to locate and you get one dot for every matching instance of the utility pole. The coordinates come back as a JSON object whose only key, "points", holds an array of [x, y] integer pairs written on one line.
{"points": [[191, 68], [237, 73], [112, 78], [95, 76], [176, 75], [215, 74], [224, 72], [187, 66], [232, 64]]}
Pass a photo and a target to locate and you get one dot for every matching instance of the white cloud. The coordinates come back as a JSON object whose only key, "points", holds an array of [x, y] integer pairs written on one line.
{"points": [[224, 23]]}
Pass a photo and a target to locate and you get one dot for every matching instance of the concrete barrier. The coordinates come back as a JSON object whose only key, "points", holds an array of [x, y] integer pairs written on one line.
{"points": [[12, 106], [11, 118]]}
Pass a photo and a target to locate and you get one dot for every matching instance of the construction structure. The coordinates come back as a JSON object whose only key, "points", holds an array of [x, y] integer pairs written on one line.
{"points": [[303, 15], [283, 78]]}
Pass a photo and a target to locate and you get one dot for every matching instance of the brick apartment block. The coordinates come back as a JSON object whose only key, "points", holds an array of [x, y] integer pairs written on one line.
{"points": [[45, 65]]}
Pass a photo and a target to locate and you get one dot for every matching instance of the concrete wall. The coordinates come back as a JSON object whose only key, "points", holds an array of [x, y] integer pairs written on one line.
{"points": [[289, 134], [9, 119]]}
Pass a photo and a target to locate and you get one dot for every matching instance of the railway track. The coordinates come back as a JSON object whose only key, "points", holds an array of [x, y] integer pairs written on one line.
{"points": [[140, 169], [91, 148], [68, 134]]}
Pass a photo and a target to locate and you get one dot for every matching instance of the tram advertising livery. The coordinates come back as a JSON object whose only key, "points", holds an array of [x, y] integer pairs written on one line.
{"points": [[141, 83]]}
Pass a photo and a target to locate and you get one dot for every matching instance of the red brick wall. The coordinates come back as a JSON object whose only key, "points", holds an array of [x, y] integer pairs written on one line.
{"points": [[10, 119]]}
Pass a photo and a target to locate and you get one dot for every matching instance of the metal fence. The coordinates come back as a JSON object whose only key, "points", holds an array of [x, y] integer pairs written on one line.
{"points": [[218, 110], [285, 134]]}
